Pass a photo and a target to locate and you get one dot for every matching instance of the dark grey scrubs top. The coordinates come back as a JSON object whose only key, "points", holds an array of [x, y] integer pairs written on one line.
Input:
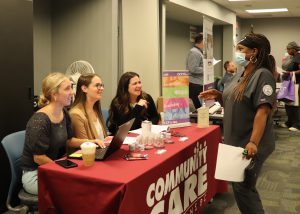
{"points": [[239, 116]]}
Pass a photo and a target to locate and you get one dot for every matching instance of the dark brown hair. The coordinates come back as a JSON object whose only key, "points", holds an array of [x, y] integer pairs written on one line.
{"points": [[226, 65], [121, 102], [199, 38]]}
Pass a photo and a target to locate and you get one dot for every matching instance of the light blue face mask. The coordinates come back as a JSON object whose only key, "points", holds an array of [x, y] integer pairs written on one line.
{"points": [[240, 58]]}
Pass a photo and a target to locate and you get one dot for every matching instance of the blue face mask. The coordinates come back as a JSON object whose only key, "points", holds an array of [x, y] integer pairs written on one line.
{"points": [[240, 58]]}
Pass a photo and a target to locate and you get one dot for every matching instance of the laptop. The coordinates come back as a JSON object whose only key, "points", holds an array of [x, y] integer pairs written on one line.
{"points": [[116, 142]]}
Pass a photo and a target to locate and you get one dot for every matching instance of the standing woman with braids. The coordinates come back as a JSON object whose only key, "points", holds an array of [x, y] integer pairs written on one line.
{"points": [[248, 101], [131, 102]]}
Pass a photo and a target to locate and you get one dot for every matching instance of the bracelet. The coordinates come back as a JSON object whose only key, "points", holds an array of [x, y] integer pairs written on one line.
{"points": [[250, 141]]}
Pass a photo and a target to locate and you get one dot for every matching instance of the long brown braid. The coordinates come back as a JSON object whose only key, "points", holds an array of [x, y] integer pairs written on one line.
{"points": [[264, 59]]}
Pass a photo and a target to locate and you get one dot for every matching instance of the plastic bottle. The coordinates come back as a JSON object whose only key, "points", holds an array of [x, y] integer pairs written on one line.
{"points": [[203, 116]]}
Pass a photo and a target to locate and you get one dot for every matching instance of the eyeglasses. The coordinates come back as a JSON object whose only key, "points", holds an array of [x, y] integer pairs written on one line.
{"points": [[99, 85]]}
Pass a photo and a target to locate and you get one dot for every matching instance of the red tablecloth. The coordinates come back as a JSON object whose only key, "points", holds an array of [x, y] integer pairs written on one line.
{"points": [[178, 181]]}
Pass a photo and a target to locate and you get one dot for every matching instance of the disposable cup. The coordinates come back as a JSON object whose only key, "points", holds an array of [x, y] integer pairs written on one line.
{"points": [[88, 150], [146, 127]]}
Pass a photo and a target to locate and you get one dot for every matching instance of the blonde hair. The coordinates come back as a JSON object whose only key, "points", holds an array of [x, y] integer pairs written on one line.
{"points": [[50, 85]]}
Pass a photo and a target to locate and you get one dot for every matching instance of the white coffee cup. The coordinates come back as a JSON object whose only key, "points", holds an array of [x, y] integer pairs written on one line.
{"points": [[88, 150]]}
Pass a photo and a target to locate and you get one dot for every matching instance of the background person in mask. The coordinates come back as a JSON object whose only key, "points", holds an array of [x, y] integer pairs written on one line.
{"points": [[248, 101], [292, 65]]}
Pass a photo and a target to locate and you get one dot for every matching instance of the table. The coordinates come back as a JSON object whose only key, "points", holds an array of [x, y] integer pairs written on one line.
{"points": [[178, 181]]}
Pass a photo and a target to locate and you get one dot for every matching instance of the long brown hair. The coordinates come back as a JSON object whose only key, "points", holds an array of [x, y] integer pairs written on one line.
{"points": [[80, 98], [121, 101], [263, 60]]}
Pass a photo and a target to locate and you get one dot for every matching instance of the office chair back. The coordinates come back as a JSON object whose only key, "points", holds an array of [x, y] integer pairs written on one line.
{"points": [[13, 145], [105, 116]]}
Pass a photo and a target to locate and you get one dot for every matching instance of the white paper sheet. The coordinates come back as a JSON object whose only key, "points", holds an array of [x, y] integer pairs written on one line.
{"points": [[129, 140], [136, 131], [230, 164], [154, 129], [216, 61]]}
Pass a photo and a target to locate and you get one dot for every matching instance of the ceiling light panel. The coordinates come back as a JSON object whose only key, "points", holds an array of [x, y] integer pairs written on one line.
{"points": [[271, 10]]}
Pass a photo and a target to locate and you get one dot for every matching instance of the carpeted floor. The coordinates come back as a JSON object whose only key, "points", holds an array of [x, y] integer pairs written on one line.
{"points": [[278, 183]]}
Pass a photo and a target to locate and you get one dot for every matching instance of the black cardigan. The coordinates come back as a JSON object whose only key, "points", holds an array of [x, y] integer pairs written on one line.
{"points": [[120, 117]]}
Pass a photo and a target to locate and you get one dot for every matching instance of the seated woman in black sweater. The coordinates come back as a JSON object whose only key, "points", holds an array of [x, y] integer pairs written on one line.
{"points": [[131, 102]]}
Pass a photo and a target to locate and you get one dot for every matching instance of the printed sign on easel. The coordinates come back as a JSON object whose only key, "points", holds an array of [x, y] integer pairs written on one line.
{"points": [[208, 66], [176, 98]]}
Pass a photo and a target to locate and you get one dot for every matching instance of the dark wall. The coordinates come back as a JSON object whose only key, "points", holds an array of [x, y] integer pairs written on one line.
{"points": [[16, 64], [16, 69]]}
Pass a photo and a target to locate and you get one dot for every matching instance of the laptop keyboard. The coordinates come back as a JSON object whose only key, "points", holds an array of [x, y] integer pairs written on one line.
{"points": [[100, 152]]}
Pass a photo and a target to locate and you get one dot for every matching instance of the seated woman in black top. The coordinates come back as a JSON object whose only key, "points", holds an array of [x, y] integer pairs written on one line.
{"points": [[49, 130], [131, 102]]}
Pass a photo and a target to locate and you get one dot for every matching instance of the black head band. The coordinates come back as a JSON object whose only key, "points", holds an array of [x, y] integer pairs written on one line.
{"points": [[248, 43]]}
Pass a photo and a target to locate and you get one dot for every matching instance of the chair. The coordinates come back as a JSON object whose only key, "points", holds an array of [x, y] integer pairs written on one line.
{"points": [[192, 106], [160, 104], [13, 145], [105, 116]]}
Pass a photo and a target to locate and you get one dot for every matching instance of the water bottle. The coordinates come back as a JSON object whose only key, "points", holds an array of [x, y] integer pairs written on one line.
{"points": [[203, 116]]}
